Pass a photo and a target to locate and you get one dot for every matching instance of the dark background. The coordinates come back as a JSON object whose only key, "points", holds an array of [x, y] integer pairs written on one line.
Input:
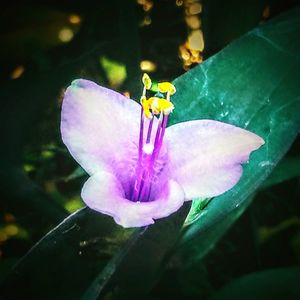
{"points": [[45, 45]]}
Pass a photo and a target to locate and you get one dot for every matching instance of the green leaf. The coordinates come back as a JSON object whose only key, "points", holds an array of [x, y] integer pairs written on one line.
{"points": [[77, 246], [287, 169], [272, 284], [197, 207], [77, 173], [88, 255], [254, 83], [195, 249], [220, 19]]}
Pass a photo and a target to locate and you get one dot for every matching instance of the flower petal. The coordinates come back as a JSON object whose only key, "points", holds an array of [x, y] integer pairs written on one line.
{"points": [[98, 125], [206, 156], [104, 193]]}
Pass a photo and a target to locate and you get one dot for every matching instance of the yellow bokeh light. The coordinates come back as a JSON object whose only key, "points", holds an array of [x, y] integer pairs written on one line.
{"points": [[17, 72], [74, 19], [196, 40], [189, 56], [196, 59], [195, 8], [3, 236], [191, 50], [184, 53], [11, 230], [115, 71], [74, 204], [47, 154], [193, 22], [146, 21], [126, 94], [266, 12], [66, 34], [148, 6], [179, 2], [147, 66], [28, 168]]}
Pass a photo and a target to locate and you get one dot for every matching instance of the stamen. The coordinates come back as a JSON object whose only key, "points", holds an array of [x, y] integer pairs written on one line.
{"points": [[147, 81], [137, 181], [146, 107], [167, 87], [149, 131], [159, 137], [141, 138], [160, 105], [147, 167], [158, 131], [163, 129]]}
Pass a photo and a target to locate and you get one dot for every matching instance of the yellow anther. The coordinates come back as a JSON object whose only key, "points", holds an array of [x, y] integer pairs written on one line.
{"points": [[146, 107], [156, 105], [160, 105], [167, 87], [147, 81], [143, 99]]}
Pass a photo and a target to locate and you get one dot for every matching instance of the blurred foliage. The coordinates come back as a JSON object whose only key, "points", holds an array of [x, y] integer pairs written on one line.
{"points": [[270, 284], [45, 46]]}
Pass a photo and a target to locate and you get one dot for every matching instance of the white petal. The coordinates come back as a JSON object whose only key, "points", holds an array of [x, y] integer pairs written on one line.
{"points": [[98, 125], [104, 193], [206, 156]]}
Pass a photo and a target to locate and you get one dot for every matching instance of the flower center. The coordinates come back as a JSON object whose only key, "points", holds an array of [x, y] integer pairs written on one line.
{"points": [[150, 145], [148, 148]]}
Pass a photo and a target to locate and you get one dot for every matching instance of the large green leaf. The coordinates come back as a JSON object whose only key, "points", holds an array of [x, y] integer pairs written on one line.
{"points": [[287, 169], [254, 83], [75, 258], [220, 19], [77, 246], [272, 284]]}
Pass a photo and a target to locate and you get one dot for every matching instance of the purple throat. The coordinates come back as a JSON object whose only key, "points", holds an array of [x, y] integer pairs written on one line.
{"points": [[147, 168]]}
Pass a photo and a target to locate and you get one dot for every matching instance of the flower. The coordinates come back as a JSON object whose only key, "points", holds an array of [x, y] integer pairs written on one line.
{"points": [[139, 169]]}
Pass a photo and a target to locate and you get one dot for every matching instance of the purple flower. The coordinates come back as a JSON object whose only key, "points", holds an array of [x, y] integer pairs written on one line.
{"points": [[139, 169]]}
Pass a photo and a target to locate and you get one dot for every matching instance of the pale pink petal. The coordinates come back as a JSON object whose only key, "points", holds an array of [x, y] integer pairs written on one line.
{"points": [[99, 126], [104, 193], [206, 156]]}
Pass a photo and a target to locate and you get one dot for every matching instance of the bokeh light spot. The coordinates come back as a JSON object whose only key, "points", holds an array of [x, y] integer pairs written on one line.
{"points": [[115, 71], [147, 66], [179, 2], [74, 204], [17, 72], [196, 40], [195, 8], [193, 22], [11, 230], [74, 19], [3, 236], [66, 34]]}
